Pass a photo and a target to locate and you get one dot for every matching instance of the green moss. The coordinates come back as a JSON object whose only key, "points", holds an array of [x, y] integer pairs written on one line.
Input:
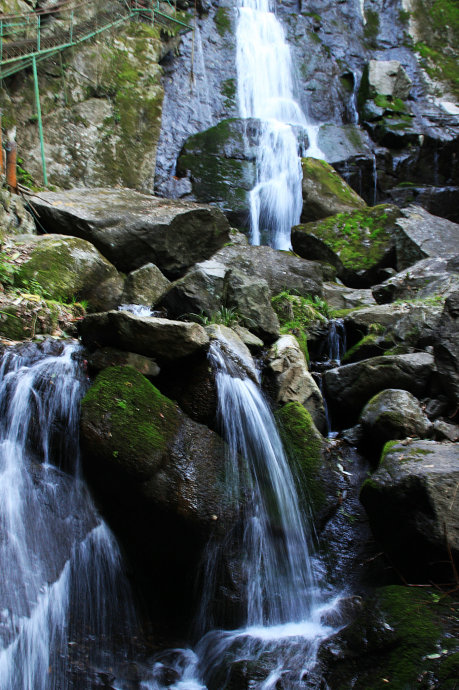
{"points": [[360, 238], [371, 29], [296, 314], [329, 182], [387, 449], [141, 421], [222, 21], [304, 445], [395, 105], [410, 612], [360, 349], [228, 90]]}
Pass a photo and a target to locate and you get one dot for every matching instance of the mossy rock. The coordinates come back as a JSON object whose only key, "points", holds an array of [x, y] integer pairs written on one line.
{"points": [[357, 243], [221, 165], [32, 315], [140, 422], [325, 193], [394, 642], [305, 446]]}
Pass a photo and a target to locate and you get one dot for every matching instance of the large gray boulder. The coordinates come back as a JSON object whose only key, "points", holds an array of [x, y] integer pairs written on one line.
{"points": [[145, 286], [349, 387], [325, 193], [149, 336], [68, 268], [392, 414], [388, 78], [426, 278], [420, 235], [160, 478], [411, 501], [341, 297], [14, 219], [289, 380], [132, 229], [446, 348], [251, 298]]}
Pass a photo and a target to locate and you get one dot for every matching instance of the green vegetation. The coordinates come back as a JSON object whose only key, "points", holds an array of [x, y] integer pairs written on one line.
{"points": [[225, 316], [297, 313], [371, 29], [304, 445], [228, 90], [142, 421], [395, 105], [222, 21], [360, 238], [437, 22], [330, 182]]}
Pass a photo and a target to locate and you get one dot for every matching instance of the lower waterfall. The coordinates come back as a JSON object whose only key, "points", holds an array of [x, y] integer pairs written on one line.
{"points": [[284, 607], [66, 611]]}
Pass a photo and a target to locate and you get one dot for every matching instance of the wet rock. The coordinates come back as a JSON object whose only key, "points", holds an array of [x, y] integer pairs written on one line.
{"points": [[69, 268], [446, 432], [387, 77], [390, 640], [251, 298], [204, 287], [446, 348], [220, 163], [110, 357], [419, 235], [145, 286], [150, 465], [231, 341], [318, 480], [440, 201], [410, 502], [325, 193], [248, 338], [430, 277], [392, 414], [349, 387], [345, 144], [357, 243], [149, 336], [131, 229], [289, 380]]}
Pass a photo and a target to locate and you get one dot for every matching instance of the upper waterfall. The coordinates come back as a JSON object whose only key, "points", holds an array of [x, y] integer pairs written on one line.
{"points": [[266, 91]]}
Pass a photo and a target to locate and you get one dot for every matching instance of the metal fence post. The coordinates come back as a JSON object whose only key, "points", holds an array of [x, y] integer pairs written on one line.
{"points": [[40, 126]]}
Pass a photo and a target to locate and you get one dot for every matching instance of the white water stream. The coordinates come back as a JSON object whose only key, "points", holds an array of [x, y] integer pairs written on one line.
{"points": [[265, 91], [63, 596], [284, 607]]}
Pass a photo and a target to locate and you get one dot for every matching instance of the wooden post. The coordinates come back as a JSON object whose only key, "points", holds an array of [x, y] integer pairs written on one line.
{"points": [[11, 158]]}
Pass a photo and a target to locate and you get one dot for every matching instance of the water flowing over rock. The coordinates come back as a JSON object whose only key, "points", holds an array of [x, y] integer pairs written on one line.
{"points": [[411, 503], [132, 229], [61, 567]]}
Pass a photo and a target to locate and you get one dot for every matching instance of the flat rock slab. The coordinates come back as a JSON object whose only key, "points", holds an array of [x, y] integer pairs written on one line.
{"points": [[413, 505], [132, 229], [420, 235], [149, 336]]}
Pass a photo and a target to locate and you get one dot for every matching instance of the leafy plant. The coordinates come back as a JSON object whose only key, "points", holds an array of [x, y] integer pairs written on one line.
{"points": [[7, 270], [225, 316]]}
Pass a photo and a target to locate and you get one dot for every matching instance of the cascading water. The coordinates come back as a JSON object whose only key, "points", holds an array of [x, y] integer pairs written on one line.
{"points": [[63, 595], [265, 91], [283, 614]]}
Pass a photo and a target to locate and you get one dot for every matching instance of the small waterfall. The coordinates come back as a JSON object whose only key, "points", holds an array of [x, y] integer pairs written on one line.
{"points": [[265, 91], [336, 340], [63, 596], [283, 615]]}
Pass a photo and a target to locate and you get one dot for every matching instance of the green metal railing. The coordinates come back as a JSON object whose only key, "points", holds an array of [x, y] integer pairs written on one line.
{"points": [[41, 34], [28, 38]]}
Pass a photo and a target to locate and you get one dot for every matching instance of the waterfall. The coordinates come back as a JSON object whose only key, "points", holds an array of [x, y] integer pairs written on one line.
{"points": [[265, 91], [284, 607], [63, 596]]}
